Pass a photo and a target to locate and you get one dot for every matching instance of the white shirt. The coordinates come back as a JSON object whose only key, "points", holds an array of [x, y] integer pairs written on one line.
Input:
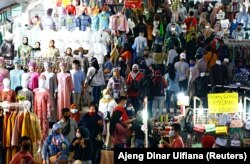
{"points": [[98, 79], [171, 55], [182, 69]]}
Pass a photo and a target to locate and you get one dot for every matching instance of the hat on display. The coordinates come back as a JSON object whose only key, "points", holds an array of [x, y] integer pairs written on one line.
{"points": [[17, 60], [183, 55]]}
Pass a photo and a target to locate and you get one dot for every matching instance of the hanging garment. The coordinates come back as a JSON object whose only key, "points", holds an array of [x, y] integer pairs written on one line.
{"points": [[4, 73], [42, 108], [95, 23], [71, 9], [103, 20], [33, 81], [83, 22], [15, 78], [65, 88]]}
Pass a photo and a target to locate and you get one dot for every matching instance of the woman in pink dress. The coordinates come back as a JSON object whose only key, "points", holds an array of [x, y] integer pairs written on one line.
{"points": [[65, 88]]}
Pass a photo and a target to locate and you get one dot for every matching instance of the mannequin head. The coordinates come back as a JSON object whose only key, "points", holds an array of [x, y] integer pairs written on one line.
{"points": [[6, 83], [32, 66], [41, 81], [52, 44], [25, 41], [47, 66], [17, 63], [25, 80], [63, 66], [2, 62]]}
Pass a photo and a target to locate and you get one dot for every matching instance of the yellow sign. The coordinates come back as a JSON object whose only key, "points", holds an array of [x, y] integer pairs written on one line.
{"points": [[223, 103]]}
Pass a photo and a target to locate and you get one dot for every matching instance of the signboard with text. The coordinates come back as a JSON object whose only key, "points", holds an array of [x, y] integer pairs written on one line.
{"points": [[223, 103], [133, 4]]}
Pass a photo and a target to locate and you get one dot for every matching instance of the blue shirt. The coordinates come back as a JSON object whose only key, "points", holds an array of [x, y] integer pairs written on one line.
{"points": [[103, 20], [78, 78], [108, 65], [83, 22], [95, 23], [173, 85], [15, 78]]}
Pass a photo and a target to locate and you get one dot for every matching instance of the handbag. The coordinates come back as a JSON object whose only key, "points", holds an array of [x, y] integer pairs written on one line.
{"points": [[209, 128], [221, 130], [224, 119], [236, 124], [235, 143], [199, 128], [221, 142], [66, 129]]}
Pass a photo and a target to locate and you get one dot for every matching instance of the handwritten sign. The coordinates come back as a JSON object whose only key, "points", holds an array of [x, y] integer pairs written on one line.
{"points": [[133, 4], [223, 103]]}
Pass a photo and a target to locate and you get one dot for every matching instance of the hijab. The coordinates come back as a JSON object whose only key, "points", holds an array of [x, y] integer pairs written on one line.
{"points": [[133, 74]]}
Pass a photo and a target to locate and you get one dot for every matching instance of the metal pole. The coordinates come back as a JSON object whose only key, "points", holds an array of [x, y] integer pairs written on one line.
{"points": [[145, 120]]}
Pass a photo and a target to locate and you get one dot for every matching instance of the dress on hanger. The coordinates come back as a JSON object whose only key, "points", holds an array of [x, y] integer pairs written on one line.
{"points": [[71, 9], [65, 87], [9, 96], [33, 81], [15, 78], [83, 21], [95, 23], [119, 22], [103, 20], [42, 107]]}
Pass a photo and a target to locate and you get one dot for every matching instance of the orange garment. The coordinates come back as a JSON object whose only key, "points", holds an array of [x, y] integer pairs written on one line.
{"points": [[19, 156], [76, 116], [9, 96], [13, 118], [5, 124], [150, 29], [129, 82], [127, 56], [210, 58]]}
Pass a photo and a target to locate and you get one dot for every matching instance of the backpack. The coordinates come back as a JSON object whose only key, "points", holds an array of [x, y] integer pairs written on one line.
{"points": [[189, 124]]}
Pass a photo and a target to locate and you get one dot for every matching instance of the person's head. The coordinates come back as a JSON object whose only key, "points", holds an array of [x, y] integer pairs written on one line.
{"points": [[140, 18], [37, 45], [175, 129], [106, 94], [135, 68], [225, 61], [207, 141], [25, 143], [193, 36], [63, 66], [141, 33], [73, 108], [182, 56], [51, 43], [116, 72], [66, 113], [157, 17], [239, 26], [57, 129], [17, 62], [146, 52], [92, 109], [76, 64], [25, 40], [199, 53], [122, 101], [68, 51], [174, 34], [94, 63], [191, 13]]}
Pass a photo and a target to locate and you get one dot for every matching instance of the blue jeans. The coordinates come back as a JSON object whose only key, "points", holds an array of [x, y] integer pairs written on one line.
{"points": [[96, 94], [168, 99], [139, 143]]}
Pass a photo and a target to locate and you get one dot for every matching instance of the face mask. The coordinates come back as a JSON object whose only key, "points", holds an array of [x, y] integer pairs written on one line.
{"points": [[26, 147], [78, 135], [239, 29], [146, 55], [107, 96], [135, 71], [73, 111], [66, 117], [171, 133], [174, 35], [91, 113]]}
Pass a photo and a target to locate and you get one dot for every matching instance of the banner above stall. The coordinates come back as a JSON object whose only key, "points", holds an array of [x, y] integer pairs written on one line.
{"points": [[133, 4], [223, 103]]}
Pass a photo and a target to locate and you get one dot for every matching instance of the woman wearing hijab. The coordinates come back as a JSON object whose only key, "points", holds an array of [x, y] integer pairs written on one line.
{"points": [[106, 106], [119, 130], [95, 79], [56, 146], [159, 84], [133, 81]]}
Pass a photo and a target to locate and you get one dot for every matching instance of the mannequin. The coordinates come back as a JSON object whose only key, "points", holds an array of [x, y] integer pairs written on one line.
{"points": [[95, 19], [243, 17], [24, 51], [16, 74], [119, 22], [51, 86], [65, 87], [33, 81], [7, 94], [104, 18], [4, 73], [47, 21], [7, 47], [25, 92], [83, 21], [42, 105]]}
